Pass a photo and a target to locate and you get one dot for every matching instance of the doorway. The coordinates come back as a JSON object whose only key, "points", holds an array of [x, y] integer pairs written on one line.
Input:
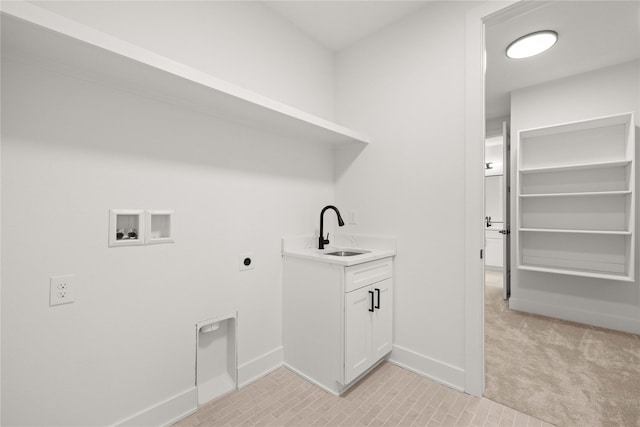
{"points": [[497, 208], [555, 363]]}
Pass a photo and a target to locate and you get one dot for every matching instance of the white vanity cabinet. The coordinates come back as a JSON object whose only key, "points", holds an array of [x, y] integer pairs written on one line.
{"points": [[338, 320], [367, 327]]}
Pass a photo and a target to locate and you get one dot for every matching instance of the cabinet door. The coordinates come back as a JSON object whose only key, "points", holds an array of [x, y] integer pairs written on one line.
{"points": [[382, 319], [357, 332]]}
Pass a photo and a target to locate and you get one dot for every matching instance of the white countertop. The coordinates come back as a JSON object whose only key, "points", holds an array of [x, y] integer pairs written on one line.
{"points": [[321, 255], [305, 248]]}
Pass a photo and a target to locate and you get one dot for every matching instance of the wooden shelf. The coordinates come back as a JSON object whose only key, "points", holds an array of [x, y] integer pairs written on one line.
{"points": [[565, 230], [577, 166], [48, 40], [579, 194]]}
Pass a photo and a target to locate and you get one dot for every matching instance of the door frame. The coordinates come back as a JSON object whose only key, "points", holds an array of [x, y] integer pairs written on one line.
{"points": [[493, 11]]}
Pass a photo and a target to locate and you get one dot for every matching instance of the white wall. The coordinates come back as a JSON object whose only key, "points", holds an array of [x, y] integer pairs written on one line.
{"points": [[243, 42], [600, 93], [493, 127], [72, 150], [404, 87]]}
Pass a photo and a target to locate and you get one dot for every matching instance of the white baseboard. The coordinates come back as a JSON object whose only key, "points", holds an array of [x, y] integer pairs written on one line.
{"points": [[603, 320], [260, 366], [165, 413], [438, 371]]}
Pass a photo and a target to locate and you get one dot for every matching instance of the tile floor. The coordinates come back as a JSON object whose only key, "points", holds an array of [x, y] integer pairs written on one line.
{"points": [[388, 396]]}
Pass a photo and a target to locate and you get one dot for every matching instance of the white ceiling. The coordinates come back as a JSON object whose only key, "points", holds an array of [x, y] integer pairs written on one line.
{"points": [[591, 35], [338, 24]]}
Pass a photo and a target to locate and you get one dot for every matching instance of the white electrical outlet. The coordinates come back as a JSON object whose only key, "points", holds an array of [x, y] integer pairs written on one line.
{"points": [[246, 261], [62, 289]]}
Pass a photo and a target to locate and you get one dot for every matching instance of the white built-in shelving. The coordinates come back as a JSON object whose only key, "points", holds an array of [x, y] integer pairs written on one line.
{"points": [[576, 198], [586, 193], [552, 230], [45, 39]]}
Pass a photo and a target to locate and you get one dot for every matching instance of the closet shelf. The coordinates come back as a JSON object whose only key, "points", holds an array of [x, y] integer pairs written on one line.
{"points": [[582, 273], [576, 166], [571, 231], [45, 39], [577, 194], [574, 180], [589, 124]]}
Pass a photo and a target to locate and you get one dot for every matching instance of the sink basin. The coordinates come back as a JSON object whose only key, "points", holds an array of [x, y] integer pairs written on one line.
{"points": [[346, 253]]}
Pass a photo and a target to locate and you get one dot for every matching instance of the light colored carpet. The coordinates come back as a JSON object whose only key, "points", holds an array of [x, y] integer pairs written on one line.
{"points": [[565, 373]]}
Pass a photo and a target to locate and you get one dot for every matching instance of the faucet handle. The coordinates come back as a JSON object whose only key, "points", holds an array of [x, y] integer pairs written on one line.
{"points": [[325, 241], [322, 241]]}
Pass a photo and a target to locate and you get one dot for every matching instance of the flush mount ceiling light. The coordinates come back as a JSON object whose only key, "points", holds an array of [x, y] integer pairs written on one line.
{"points": [[532, 44]]}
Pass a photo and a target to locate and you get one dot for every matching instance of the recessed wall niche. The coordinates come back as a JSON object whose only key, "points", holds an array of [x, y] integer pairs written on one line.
{"points": [[129, 227], [126, 227], [159, 227]]}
